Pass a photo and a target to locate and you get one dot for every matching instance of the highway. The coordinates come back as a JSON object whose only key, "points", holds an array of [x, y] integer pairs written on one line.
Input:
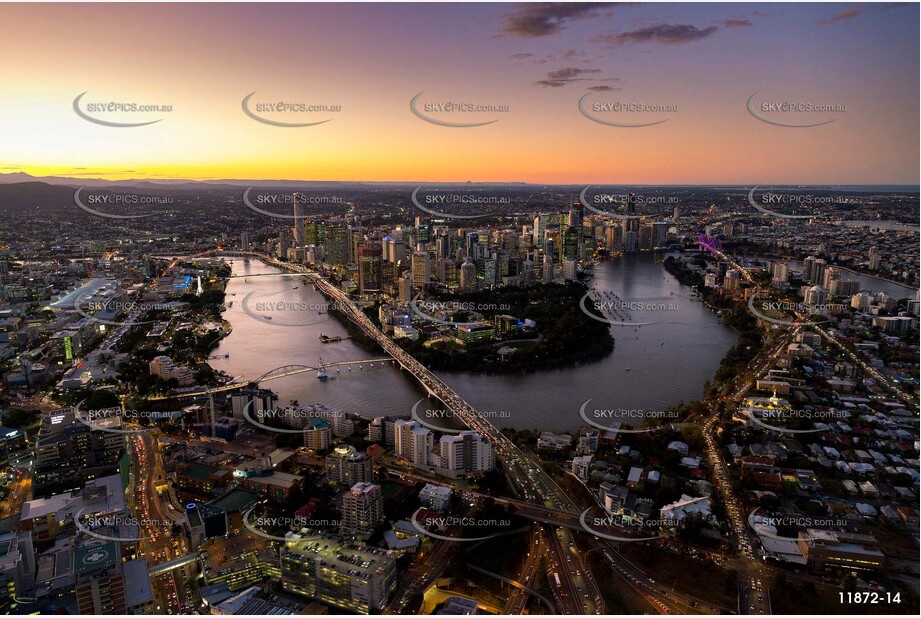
{"points": [[157, 544], [517, 597]]}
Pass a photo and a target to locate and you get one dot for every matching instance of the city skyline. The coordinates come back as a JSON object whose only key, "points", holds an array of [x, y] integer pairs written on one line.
{"points": [[538, 61], [556, 308]]}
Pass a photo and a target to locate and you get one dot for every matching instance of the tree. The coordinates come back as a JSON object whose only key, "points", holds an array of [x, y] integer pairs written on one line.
{"points": [[17, 417]]}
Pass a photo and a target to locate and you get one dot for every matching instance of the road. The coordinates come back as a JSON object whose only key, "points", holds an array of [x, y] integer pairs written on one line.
{"points": [[429, 566], [157, 544], [518, 597], [20, 490]]}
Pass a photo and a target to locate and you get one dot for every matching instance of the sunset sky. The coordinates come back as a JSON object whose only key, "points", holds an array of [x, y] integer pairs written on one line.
{"points": [[539, 60]]}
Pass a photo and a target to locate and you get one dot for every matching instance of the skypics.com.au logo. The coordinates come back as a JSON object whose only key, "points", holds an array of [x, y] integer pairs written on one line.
{"points": [[447, 113], [287, 312], [434, 525], [623, 529], [452, 204], [617, 113], [115, 114], [295, 419], [774, 311], [107, 198], [770, 418], [118, 527], [445, 312], [789, 203], [297, 205], [280, 113], [259, 524], [434, 418], [787, 113], [91, 308], [615, 203], [612, 419], [112, 420], [616, 311]]}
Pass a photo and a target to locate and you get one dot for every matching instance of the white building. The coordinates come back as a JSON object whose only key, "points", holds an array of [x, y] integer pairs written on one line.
{"points": [[435, 497], [588, 442], [466, 452], [553, 441], [582, 466]]}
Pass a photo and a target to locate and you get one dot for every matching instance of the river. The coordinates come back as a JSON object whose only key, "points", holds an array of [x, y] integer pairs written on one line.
{"points": [[652, 366]]}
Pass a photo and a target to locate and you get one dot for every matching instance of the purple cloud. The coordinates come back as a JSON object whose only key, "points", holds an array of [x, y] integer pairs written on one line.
{"points": [[546, 18], [666, 34]]}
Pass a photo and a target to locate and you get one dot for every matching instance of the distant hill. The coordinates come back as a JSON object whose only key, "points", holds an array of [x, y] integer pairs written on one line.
{"points": [[27, 196], [183, 184]]}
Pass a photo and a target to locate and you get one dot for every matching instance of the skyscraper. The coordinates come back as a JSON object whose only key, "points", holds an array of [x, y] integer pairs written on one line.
{"points": [[370, 269], [348, 466], [337, 245], [472, 249], [571, 243], [422, 269], [468, 276], [575, 215], [362, 510], [540, 225], [298, 231], [284, 241]]}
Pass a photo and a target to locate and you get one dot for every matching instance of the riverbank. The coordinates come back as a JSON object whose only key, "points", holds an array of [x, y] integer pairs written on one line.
{"points": [[732, 314], [684, 345]]}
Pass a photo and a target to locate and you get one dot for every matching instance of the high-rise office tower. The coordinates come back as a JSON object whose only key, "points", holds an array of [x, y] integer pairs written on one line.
{"points": [[571, 243], [337, 245], [550, 248], [284, 241], [575, 215], [570, 270], [472, 249], [539, 228], [370, 269], [99, 581], [781, 273], [547, 274], [422, 269], [633, 224], [298, 230], [468, 279]]}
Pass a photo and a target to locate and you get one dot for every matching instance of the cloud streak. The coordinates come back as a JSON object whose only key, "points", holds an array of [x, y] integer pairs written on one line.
{"points": [[853, 12], [547, 18], [665, 34], [565, 76]]}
